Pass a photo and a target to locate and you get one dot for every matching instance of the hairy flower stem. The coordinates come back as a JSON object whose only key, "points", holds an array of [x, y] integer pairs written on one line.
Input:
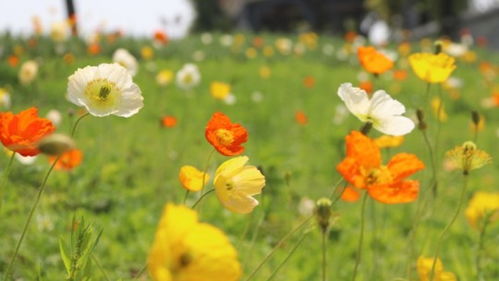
{"points": [[481, 239], [276, 270], [448, 226], [5, 177], [201, 198], [361, 236], [75, 125], [324, 255], [277, 246], [434, 180], [12, 262]]}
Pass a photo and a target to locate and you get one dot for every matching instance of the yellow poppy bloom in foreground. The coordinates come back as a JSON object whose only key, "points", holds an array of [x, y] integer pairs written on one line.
{"points": [[481, 205], [192, 179], [185, 249], [432, 68], [424, 270], [235, 184]]}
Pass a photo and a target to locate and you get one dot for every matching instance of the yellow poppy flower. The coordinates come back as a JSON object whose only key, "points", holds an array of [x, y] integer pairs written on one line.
{"points": [[219, 90], [186, 250], [424, 266], [389, 141], [481, 204], [432, 68], [235, 184], [192, 178]]}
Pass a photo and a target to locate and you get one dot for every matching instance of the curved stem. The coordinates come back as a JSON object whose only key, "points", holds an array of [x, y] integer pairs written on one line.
{"points": [[99, 265], [201, 198], [434, 182], [278, 245], [205, 170], [361, 236], [448, 226], [28, 221], [5, 177], [75, 125], [276, 270]]}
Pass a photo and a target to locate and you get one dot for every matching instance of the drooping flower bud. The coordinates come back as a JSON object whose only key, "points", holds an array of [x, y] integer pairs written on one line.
{"points": [[421, 123], [56, 144]]}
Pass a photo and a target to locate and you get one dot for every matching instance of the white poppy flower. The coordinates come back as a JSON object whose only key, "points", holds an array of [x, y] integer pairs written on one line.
{"points": [[104, 90], [127, 60], [383, 112], [188, 77], [4, 98], [28, 72]]}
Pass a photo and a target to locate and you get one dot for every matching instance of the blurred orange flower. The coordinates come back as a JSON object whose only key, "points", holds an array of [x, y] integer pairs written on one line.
{"points": [[225, 136], [68, 160], [400, 74], [301, 118], [13, 60], [373, 61], [385, 183], [309, 81], [160, 37], [21, 132], [93, 49], [366, 86], [169, 121]]}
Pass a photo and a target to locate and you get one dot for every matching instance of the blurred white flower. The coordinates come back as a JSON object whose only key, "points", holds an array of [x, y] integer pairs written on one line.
{"points": [[44, 222], [306, 207], [340, 114], [342, 54], [226, 40], [127, 60], [230, 99], [383, 112], [456, 49], [4, 98], [188, 76], [206, 38], [55, 116], [454, 82], [284, 45], [256, 97], [25, 160], [379, 33], [328, 50], [362, 76], [59, 31], [104, 90], [198, 56], [28, 72]]}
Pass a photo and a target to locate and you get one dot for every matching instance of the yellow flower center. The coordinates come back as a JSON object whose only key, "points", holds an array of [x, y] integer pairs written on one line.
{"points": [[225, 137], [188, 79], [376, 176], [102, 93]]}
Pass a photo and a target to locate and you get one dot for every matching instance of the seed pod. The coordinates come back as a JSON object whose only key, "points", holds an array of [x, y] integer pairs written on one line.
{"points": [[323, 213], [56, 144]]}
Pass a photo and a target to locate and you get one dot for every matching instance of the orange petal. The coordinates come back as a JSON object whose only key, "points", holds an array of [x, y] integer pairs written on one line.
{"points": [[399, 192], [350, 194], [363, 149], [403, 165]]}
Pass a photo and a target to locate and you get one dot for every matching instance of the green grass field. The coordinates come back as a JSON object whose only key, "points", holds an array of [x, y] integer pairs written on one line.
{"points": [[130, 167]]}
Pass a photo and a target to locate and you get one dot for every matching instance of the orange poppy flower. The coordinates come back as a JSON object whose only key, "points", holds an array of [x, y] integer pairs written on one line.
{"points": [[68, 160], [385, 183], [21, 132], [373, 61], [225, 136], [169, 121], [94, 49], [400, 75], [301, 118]]}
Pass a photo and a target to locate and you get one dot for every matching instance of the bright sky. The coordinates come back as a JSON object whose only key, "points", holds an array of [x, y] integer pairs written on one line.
{"points": [[136, 17]]}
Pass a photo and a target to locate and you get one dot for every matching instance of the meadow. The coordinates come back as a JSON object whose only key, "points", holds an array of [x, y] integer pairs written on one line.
{"points": [[288, 102]]}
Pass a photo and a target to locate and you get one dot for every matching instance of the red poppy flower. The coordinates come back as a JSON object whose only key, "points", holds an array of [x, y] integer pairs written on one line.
{"points": [[21, 132], [225, 136]]}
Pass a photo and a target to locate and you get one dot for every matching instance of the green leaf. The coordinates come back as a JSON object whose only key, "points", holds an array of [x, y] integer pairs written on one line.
{"points": [[65, 259]]}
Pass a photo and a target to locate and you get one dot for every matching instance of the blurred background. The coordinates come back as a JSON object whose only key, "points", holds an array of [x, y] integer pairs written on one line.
{"points": [[380, 20]]}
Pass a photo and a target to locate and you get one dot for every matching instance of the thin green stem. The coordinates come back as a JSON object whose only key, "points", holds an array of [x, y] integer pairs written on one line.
{"points": [[75, 125], [481, 239], [324, 256], [206, 167], [437, 135], [201, 198], [335, 190], [277, 246], [101, 268], [12, 262], [5, 177], [361, 236], [434, 181], [448, 226], [276, 270], [186, 196], [141, 271]]}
